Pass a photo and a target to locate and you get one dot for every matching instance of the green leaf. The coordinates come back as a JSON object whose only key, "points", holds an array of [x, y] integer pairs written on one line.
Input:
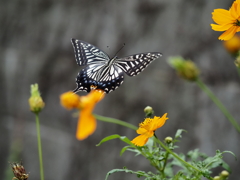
{"points": [[124, 149], [115, 136], [179, 133], [138, 173], [230, 152]]}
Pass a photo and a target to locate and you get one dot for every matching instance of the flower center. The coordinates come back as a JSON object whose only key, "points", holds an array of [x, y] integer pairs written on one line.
{"points": [[237, 23]]}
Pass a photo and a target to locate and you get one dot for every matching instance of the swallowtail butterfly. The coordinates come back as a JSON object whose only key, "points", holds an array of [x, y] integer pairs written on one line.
{"points": [[103, 72]]}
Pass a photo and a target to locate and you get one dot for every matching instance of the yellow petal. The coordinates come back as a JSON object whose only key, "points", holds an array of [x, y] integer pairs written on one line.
{"points": [[238, 29], [86, 126], [234, 10], [69, 100], [141, 130], [161, 121], [222, 16], [224, 27], [140, 140], [87, 123], [229, 33]]}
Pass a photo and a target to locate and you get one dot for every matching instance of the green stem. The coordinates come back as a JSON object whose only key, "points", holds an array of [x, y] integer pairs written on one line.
{"points": [[219, 104], [238, 70], [39, 146], [176, 156], [115, 121], [165, 163]]}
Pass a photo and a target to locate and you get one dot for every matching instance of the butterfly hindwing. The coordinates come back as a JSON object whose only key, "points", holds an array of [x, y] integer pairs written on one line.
{"points": [[91, 76], [134, 64], [86, 53]]}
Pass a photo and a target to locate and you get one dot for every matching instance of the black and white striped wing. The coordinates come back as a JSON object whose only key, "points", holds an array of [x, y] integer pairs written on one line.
{"points": [[107, 78], [134, 64], [86, 53]]}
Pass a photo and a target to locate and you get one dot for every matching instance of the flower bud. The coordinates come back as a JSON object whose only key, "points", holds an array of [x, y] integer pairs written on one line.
{"points": [[232, 45], [168, 140], [237, 61], [185, 68], [224, 175], [148, 111], [216, 178], [35, 101], [19, 171]]}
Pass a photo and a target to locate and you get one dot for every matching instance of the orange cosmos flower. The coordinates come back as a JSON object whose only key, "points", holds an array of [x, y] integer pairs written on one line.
{"points": [[227, 20], [147, 128], [86, 123]]}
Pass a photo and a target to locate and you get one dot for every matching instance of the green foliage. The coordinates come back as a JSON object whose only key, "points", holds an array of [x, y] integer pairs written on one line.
{"points": [[168, 164]]}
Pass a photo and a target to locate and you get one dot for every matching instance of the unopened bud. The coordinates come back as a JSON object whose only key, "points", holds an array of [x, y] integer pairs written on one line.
{"points": [[185, 68], [224, 175], [233, 44], [35, 101], [237, 61], [148, 111], [168, 140], [216, 178]]}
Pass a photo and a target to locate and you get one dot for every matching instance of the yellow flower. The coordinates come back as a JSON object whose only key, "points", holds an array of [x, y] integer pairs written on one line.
{"points": [[86, 122], [147, 128], [228, 21]]}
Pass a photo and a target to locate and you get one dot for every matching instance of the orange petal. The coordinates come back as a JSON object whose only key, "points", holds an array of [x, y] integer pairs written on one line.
{"points": [[141, 130], [140, 140], [86, 125], [224, 27], [222, 16], [238, 29], [69, 100], [238, 8], [234, 10], [229, 33], [161, 121]]}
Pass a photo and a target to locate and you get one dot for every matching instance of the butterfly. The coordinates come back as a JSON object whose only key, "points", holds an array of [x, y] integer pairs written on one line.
{"points": [[103, 72]]}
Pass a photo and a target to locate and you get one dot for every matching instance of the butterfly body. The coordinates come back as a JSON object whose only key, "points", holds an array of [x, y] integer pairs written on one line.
{"points": [[102, 72]]}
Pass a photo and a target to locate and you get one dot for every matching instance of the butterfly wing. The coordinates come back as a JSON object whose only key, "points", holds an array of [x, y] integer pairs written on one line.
{"points": [[134, 64], [86, 53], [107, 78]]}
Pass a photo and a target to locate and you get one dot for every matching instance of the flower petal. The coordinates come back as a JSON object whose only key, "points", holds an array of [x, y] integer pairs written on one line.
{"points": [[161, 121], [224, 27], [141, 130], [233, 10], [70, 100], [229, 33], [222, 16], [86, 125], [238, 29], [140, 140]]}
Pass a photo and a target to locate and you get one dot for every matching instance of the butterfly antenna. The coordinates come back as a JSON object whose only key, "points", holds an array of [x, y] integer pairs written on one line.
{"points": [[119, 50]]}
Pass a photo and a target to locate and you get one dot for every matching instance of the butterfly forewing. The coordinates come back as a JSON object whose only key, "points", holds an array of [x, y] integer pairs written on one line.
{"points": [[134, 64], [86, 53]]}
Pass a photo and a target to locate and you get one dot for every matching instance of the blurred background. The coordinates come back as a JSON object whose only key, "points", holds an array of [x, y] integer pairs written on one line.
{"points": [[35, 47]]}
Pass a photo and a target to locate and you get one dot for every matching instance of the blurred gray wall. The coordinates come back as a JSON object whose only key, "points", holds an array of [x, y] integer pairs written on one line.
{"points": [[35, 48]]}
